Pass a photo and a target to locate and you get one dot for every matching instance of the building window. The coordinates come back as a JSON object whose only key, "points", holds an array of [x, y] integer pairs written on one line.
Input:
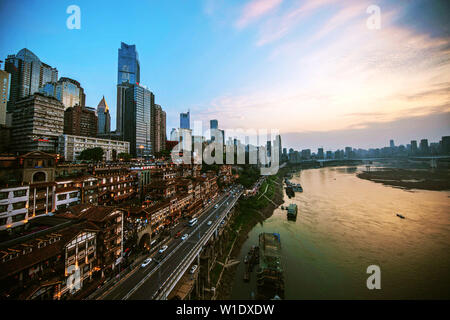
{"points": [[4, 195], [73, 195], [3, 208], [18, 217], [62, 197], [20, 193], [19, 205]]}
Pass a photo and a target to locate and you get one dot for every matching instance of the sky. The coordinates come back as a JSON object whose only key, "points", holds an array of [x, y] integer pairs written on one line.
{"points": [[319, 71]]}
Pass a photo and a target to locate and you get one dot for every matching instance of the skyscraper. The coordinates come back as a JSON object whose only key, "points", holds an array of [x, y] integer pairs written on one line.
{"points": [[80, 121], [158, 128], [37, 123], [66, 90], [4, 95], [185, 120], [28, 74], [214, 124], [104, 118], [413, 147], [128, 74], [424, 149], [137, 130], [391, 144]]}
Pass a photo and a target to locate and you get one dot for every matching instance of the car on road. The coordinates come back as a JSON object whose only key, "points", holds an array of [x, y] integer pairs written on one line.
{"points": [[209, 222], [146, 262], [184, 237], [216, 206], [178, 235], [164, 248], [194, 267]]}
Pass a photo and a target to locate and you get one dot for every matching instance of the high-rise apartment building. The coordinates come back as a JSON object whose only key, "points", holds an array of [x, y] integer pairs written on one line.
{"points": [[37, 122], [5, 79], [128, 74], [28, 74], [104, 118], [158, 128]]}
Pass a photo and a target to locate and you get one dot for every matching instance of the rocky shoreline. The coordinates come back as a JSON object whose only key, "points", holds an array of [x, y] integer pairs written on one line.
{"points": [[226, 286]]}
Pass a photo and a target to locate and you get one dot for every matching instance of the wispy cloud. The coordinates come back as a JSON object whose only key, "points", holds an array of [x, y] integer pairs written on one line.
{"points": [[256, 9]]}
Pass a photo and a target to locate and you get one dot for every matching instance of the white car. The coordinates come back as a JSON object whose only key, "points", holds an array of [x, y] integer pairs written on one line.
{"points": [[184, 237], [164, 248], [194, 267], [146, 262], [209, 222], [216, 206]]}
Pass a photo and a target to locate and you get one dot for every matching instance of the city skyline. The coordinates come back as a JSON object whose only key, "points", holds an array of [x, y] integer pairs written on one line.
{"points": [[362, 98]]}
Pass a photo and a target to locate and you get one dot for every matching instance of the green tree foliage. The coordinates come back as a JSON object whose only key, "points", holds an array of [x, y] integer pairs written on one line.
{"points": [[93, 154]]}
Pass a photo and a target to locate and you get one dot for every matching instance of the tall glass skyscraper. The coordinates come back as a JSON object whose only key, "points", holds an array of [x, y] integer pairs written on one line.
{"points": [[28, 74], [128, 74], [184, 120], [137, 110], [129, 67]]}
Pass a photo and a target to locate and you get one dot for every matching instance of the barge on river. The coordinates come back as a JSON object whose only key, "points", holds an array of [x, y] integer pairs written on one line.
{"points": [[269, 278]]}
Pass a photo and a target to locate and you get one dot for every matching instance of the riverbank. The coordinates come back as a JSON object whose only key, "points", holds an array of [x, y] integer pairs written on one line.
{"points": [[435, 180], [249, 213]]}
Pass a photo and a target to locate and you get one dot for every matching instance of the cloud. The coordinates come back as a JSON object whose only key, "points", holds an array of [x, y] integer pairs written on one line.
{"points": [[256, 9]]}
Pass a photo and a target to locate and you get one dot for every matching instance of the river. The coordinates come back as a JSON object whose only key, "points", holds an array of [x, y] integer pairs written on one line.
{"points": [[345, 224]]}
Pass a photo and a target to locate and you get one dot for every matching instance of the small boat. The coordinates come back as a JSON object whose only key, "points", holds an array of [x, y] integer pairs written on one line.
{"points": [[400, 216]]}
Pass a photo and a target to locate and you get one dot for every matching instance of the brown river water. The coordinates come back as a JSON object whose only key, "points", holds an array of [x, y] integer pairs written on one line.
{"points": [[345, 224]]}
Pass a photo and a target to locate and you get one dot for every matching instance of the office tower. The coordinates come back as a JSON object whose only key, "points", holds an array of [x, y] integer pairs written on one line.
{"points": [[137, 130], [28, 74], [5, 79], [306, 154], [424, 149], [348, 152], [80, 121], [66, 90], [128, 74], [185, 120], [391, 144], [37, 122], [446, 145], [214, 124], [269, 148], [158, 128], [104, 118], [414, 147], [320, 153]]}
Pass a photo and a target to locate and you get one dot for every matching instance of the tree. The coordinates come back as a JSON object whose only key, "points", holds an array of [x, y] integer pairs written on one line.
{"points": [[94, 154]]}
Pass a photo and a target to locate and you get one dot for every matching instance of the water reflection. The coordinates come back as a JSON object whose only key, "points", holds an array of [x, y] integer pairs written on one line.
{"points": [[345, 224]]}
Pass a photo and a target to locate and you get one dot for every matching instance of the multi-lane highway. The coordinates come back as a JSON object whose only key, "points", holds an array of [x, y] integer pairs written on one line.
{"points": [[145, 283]]}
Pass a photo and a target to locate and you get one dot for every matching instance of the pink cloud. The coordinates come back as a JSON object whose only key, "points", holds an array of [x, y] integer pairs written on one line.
{"points": [[255, 9]]}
